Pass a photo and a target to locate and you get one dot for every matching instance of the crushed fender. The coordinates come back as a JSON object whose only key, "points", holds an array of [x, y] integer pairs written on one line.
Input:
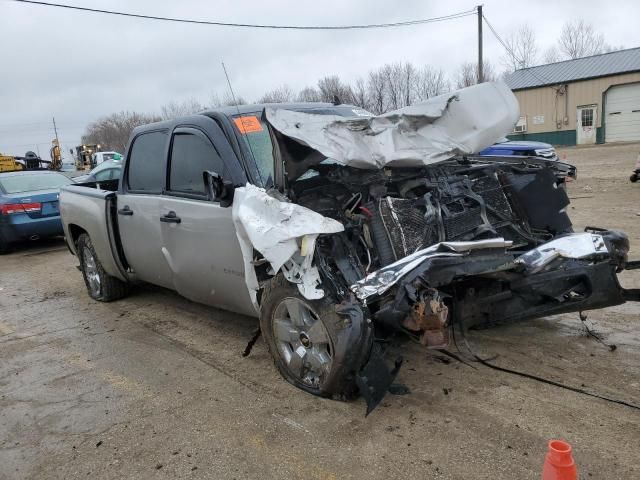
{"points": [[274, 228]]}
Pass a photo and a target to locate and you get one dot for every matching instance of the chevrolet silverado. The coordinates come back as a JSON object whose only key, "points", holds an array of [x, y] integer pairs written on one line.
{"points": [[338, 228]]}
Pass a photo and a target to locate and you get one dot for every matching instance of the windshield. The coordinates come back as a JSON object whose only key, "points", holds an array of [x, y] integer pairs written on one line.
{"points": [[111, 156], [257, 139], [256, 136], [33, 182]]}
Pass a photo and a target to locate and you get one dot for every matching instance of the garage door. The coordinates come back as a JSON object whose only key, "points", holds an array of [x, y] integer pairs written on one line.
{"points": [[622, 113]]}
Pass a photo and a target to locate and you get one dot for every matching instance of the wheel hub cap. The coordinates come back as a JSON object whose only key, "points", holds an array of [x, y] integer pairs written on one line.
{"points": [[302, 341], [91, 271]]}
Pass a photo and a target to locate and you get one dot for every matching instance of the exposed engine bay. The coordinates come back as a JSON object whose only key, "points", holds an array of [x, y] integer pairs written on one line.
{"points": [[388, 215]]}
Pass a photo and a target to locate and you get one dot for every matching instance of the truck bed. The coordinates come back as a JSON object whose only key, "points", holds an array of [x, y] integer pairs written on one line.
{"points": [[85, 208]]}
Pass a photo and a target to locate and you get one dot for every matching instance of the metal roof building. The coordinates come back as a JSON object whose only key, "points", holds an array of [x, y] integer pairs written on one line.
{"points": [[593, 99]]}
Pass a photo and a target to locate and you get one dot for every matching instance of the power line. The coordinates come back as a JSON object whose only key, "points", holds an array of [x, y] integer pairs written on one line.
{"points": [[251, 25], [513, 55], [502, 42], [263, 26]]}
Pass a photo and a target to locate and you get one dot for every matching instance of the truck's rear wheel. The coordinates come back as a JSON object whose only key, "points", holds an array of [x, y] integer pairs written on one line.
{"points": [[100, 285], [302, 336]]}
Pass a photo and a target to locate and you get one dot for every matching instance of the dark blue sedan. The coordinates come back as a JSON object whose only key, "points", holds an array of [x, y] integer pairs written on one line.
{"points": [[521, 149], [29, 206]]}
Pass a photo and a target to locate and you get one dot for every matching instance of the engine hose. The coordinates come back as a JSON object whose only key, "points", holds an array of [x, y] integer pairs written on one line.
{"points": [[379, 234]]}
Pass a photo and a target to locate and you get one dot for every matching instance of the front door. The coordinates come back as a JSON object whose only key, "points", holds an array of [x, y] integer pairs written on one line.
{"points": [[139, 209], [586, 118], [199, 237]]}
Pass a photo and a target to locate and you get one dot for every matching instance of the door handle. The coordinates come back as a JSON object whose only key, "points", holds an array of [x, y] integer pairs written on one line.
{"points": [[125, 211], [170, 217]]}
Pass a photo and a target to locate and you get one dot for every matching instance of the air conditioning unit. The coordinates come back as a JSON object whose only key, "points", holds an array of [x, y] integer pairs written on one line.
{"points": [[521, 126]]}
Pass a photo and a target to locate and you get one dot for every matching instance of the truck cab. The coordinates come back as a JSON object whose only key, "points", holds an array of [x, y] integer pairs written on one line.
{"points": [[159, 224]]}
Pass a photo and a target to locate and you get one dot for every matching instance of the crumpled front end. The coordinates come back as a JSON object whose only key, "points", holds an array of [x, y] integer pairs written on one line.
{"points": [[389, 219]]}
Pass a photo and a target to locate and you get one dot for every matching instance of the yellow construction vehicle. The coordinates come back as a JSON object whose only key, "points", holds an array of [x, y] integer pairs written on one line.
{"points": [[30, 161], [84, 154], [56, 155], [9, 163]]}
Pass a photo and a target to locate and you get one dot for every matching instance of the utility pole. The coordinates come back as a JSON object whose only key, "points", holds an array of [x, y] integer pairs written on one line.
{"points": [[480, 61]]}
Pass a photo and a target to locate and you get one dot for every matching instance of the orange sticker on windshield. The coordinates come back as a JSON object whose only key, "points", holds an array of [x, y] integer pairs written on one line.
{"points": [[248, 124]]}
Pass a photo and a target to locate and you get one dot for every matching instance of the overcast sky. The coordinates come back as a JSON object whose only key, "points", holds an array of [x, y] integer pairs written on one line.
{"points": [[79, 66]]}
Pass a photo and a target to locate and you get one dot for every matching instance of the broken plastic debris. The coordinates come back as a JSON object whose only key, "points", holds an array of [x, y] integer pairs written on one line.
{"points": [[273, 227], [378, 282], [579, 245]]}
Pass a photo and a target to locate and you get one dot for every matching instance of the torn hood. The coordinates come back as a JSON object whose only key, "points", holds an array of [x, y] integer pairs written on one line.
{"points": [[462, 122]]}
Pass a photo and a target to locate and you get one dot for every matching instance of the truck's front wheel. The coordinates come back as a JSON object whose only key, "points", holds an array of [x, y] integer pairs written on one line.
{"points": [[310, 343], [100, 285]]}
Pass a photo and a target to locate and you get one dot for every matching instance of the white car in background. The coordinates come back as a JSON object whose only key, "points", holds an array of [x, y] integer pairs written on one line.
{"points": [[99, 157]]}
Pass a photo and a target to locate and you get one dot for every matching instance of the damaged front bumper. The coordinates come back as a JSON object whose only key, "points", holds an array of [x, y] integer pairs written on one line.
{"points": [[570, 273], [483, 283]]}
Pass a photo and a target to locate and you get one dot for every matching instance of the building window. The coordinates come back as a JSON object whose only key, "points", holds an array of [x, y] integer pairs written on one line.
{"points": [[586, 117], [521, 126]]}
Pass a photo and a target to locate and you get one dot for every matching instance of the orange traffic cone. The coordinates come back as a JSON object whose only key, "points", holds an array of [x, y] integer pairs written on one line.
{"points": [[559, 464]]}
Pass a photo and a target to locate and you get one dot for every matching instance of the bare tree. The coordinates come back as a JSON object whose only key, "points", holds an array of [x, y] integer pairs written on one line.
{"points": [[551, 55], [226, 101], [523, 48], [406, 79], [181, 109], [281, 94], [579, 39], [377, 95], [309, 94], [229, 100], [392, 75], [214, 100], [429, 83], [360, 95], [332, 88], [467, 74], [611, 48], [112, 132]]}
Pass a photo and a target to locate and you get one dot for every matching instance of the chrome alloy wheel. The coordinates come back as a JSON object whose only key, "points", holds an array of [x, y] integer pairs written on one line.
{"points": [[302, 341], [91, 271]]}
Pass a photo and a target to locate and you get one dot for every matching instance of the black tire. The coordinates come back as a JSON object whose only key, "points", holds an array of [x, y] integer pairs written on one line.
{"points": [[108, 288], [4, 246], [633, 177], [348, 343]]}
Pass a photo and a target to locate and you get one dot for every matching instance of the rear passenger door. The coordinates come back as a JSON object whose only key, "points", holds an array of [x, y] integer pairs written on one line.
{"points": [[199, 236], [139, 208]]}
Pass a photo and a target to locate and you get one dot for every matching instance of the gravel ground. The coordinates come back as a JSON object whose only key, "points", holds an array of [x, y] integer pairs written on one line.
{"points": [[154, 386]]}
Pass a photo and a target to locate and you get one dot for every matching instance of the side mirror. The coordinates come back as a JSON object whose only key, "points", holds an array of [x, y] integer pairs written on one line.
{"points": [[219, 190]]}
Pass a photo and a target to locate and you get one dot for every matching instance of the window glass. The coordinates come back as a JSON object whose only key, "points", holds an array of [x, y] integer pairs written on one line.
{"points": [[587, 117], [256, 136], [145, 162], [106, 174], [109, 156], [30, 182], [191, 155]]}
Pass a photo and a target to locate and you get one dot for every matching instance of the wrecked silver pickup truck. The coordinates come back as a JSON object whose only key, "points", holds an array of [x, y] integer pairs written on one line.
{"points": [[338, 228]]}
